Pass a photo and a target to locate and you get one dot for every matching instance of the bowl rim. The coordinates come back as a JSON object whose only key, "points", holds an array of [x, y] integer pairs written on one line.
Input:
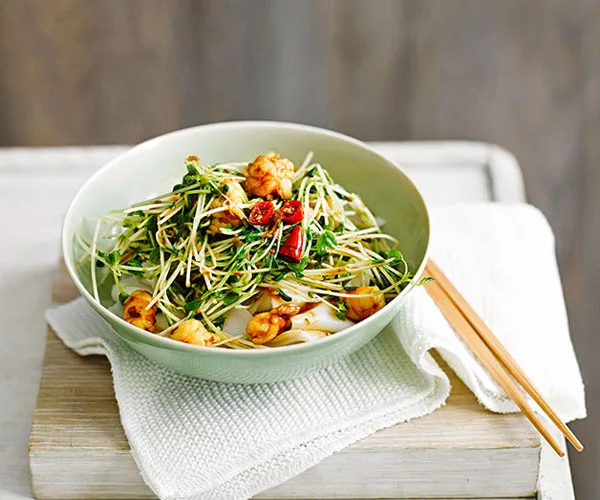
{"points": [[171, 344]]}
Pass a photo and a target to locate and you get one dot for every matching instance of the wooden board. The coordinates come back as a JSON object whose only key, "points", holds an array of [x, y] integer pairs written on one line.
{"points": [[78, 449]]}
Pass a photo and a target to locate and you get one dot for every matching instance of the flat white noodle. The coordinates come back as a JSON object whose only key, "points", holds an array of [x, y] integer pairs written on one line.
{"points": [[296, 337], [267, 301], [236, 321], [130, 284], [322, 318]]}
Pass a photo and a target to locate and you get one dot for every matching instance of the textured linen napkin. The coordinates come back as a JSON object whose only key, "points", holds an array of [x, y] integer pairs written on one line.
{"points": [[194, 439]]}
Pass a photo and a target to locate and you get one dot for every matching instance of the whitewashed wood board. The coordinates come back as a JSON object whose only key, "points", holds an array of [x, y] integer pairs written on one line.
{"points": [[78, 449]]}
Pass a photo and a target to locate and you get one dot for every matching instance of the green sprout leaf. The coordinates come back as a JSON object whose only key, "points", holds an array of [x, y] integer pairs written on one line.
{"points": [[342, 307], [325, 240], [218, 322], [193, 305], [230, 298]]}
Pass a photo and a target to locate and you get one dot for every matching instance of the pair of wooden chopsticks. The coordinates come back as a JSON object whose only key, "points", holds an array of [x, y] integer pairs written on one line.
{"points": [[493, 355]]}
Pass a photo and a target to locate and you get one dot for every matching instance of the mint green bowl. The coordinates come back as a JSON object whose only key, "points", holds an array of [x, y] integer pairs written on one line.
{"points": [[154, 166]]}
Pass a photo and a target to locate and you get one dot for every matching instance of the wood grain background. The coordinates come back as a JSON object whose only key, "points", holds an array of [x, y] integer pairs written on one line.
{"points": [[525, 75]]}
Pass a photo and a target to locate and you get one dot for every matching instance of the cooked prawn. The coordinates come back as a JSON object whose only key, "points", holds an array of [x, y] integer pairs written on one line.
{"points": [[360, 308], [270, 175]]}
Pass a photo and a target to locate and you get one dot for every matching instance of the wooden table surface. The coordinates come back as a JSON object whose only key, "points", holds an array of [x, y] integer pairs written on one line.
{"points": [[39, 182], [78, 448]]}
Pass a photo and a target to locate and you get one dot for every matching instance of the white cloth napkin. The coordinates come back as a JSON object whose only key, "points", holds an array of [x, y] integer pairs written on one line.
{"points": [[194, 439]]}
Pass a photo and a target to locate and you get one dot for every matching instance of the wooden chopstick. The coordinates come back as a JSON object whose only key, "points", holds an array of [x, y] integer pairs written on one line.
{"points": [[500, 351], [497, 370]]}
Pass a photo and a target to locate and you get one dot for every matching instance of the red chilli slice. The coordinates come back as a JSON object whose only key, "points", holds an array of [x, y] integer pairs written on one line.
{"points": [[292, 211], [292, 247], [261, 213]]}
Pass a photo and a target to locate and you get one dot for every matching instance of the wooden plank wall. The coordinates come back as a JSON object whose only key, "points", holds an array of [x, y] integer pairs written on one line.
{"points": [[525, 75]]}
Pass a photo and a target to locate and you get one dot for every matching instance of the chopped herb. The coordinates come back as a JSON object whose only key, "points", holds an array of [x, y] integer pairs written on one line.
{"points": [[342, 307], [396, 255], [325, 240], [113, 257], [240, 253], [252, 237], [193, 305], [230, 298], [135, 263], [152, 225], [177, 288], [340, 228], [218, 322], [299, 267]]}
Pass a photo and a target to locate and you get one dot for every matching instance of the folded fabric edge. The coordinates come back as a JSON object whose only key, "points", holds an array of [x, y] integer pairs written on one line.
{"points": [[74, 338], [320, 448]]}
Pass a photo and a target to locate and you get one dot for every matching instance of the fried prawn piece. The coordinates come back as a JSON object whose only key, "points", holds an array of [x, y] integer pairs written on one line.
{"points": [[270, 175], [360, 308], [135, 312], [193, 331], [235, 196], [265, 326]]}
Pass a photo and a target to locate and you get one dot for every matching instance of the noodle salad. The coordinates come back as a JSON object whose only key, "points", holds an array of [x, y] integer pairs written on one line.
{"points": [[247, 256]]}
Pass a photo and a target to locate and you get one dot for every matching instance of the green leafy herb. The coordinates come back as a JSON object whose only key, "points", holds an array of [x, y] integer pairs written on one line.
{"points": [[193, 305], [280, 276], [396, 255], [284, 295], [113, 257], [240, 254], [155, 255], [123, 297], [252, 237], [218, 322], [299, 267], [325, 240], [152, 225], [189, 179], [135, 263], [230, 298], [425, 279], [342, 307]]}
